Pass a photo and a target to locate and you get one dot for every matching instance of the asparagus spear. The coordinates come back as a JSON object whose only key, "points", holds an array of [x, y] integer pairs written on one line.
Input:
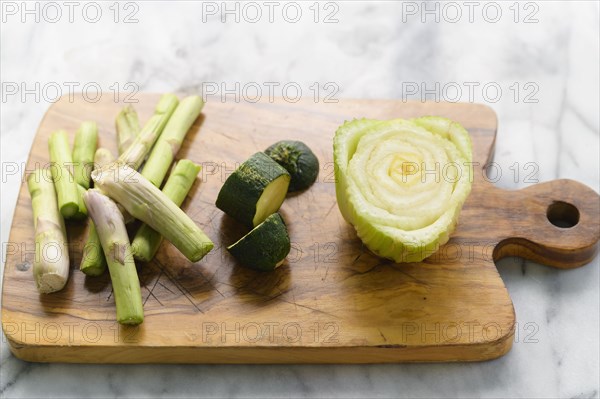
{"points": [[51, 263], [116, 247], [147, 240], [141, 146], [66, 187], [146, 202], [128, 127], [170, 140], [102, 157], [86, 140], [82, 209], [93, 261]]}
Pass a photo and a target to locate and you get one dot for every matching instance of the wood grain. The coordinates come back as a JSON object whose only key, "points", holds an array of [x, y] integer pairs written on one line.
{"points": [[332, 301]]}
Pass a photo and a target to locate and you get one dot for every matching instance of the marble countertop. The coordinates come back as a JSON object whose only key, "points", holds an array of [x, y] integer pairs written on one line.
{"points": [[536, 64]]}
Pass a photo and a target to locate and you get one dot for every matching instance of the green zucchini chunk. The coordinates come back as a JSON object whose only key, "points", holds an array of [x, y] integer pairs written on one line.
{"points": [[265, 247], [298, 160], [254, 191]]}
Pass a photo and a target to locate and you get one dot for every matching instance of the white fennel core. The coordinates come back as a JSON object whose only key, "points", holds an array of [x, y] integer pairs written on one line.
{"points": [[402, 183]]}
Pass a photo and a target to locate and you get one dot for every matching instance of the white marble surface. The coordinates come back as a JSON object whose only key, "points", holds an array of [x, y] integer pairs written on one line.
{"points": [[372, 49]]}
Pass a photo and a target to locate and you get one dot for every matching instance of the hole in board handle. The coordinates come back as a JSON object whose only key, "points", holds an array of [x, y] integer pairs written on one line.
{"points": [[562, 214]]}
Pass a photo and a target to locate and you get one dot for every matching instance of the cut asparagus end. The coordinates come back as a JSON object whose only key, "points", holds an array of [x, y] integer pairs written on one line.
{"points": [[81, 208], [51, 262], [128, 127], [93, 262], [70, 210], [102, 157], [145, 244], [170, 140], [141, 146], [51, 266], [117, 250], [147, 240], [86, 141], [50, 282], [147, 203], [65, 185]]}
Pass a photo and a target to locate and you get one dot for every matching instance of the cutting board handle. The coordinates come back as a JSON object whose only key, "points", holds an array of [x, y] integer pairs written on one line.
{"points": [[556, 223]]}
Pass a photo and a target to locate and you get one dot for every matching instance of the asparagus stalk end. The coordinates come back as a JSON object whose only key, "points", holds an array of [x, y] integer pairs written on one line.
{"points": [[51, 262], [146, 202], [147, 240], [117, 250]]}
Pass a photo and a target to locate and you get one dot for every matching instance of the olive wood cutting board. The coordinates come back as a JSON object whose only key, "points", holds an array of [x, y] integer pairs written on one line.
{"points": [[332, 301]]}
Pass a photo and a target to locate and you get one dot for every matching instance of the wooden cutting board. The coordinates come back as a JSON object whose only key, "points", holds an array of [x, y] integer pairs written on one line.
{"points": [[332, 301]]}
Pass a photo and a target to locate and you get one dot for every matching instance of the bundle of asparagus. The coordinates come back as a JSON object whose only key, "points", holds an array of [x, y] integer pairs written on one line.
{"points": [[119, 192]]}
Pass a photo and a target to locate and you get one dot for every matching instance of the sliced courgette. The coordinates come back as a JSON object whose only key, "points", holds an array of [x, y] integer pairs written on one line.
{"points": [[255, 190], [265, 247], [298, 160]]}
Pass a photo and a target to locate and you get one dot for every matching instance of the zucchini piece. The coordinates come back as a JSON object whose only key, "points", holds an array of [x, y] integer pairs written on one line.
{"points": [[298, 160], [265, 247], [255, 190]]}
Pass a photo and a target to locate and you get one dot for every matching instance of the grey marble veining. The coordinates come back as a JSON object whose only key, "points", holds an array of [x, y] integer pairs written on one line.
{"points": [[373, 51]]}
